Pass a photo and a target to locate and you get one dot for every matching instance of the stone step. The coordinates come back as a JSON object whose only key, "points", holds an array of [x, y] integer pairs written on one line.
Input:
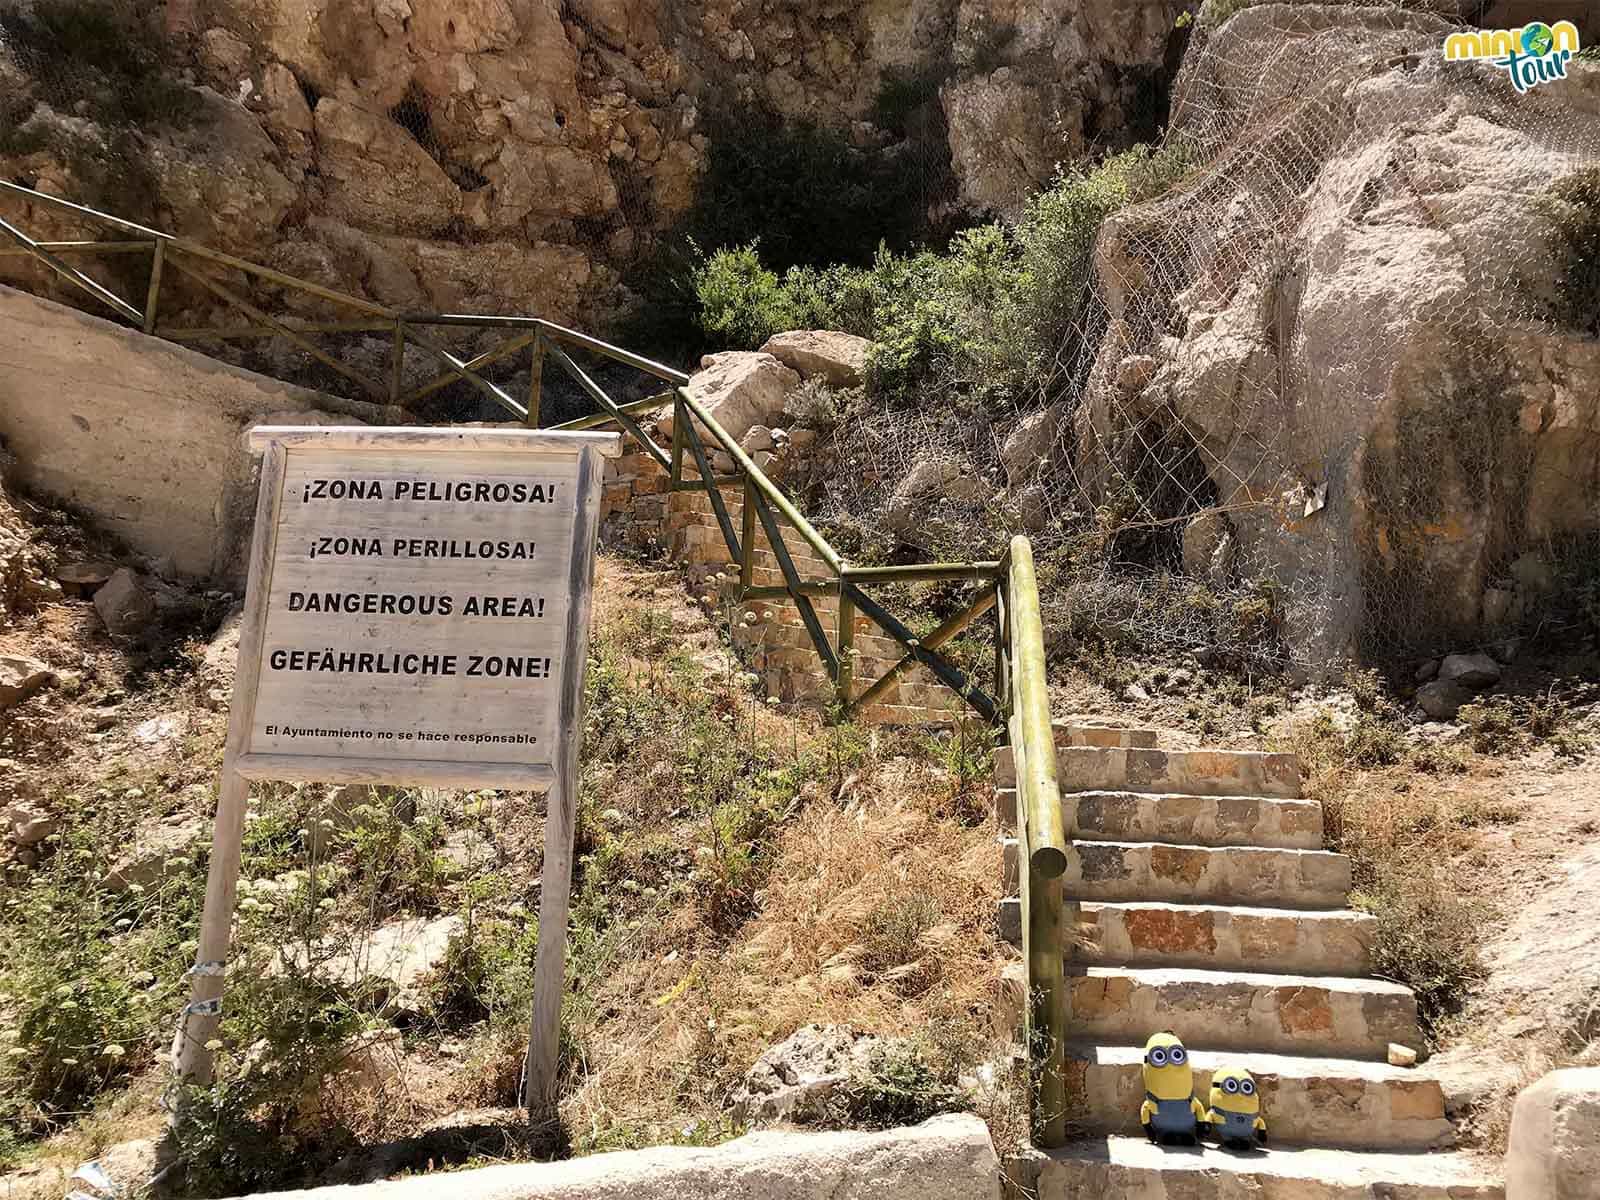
{"points": [[1185, 820], [1131, 1168], [1234, 1010], [1223, 937], [1151, 871], [1190, 772], [1081, 731], [1335, 1102]]}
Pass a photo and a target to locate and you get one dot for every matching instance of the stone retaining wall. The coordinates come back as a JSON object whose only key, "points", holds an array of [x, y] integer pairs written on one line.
{"points": [[639, 512], [141, 435]]}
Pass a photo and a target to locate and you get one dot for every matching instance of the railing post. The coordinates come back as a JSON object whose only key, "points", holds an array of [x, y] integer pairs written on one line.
{"points": [[747, 531], [396, 367], [680, 414], [535, 381], [1044, 846], [152, 296], [847, 637]]}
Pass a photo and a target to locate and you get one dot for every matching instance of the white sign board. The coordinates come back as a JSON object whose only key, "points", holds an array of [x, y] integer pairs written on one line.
{"points": [[417, 613], [419, 605]]}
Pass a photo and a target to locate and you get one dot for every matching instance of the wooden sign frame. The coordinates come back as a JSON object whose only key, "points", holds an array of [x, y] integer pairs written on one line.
{"points": [[556, 771]]}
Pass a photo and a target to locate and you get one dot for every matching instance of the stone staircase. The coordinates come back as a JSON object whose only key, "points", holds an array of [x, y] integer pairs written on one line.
{"points": [[639, 510], [1200, 900]]}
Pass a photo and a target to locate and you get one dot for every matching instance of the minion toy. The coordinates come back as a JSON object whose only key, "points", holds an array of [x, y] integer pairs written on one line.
{"points": [[1170, 1114], [1235, 1113]]}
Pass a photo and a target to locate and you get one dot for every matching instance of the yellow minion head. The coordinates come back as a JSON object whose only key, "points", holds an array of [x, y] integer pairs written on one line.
{"points": [[1167, 1073], [1233, 1091]]}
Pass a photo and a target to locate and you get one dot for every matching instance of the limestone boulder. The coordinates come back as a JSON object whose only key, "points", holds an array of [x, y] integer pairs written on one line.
{"points": [[546, 183], [795, 1078], [920, 510], [947, 1158], [738, 389], [1030, 444], [21, 677], [1470, 670], [1555, 1128], [159, 850], [284, 108], [391, 965], [376, 174], [839, 359], [28, 824], [125, 604], [1442, 699]]}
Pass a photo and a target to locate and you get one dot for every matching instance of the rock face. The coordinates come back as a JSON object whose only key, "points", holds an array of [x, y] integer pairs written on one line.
{"points": [[1044, 81], [580, 126], [1391, 415], [1470, 670], [1554, 1129]]}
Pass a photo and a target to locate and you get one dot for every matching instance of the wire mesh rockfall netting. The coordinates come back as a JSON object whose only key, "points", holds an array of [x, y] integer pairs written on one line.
{"points": [[1330, 393]]}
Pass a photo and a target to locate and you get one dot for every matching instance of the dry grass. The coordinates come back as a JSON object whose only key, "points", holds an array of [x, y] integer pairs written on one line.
{"points": [[875, 912], [1407, 841]]}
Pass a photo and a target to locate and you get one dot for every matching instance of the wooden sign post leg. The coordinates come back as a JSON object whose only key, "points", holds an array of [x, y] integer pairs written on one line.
{"points": [[561, 816], [549, 968], [198, 1024], [200, 1019]]}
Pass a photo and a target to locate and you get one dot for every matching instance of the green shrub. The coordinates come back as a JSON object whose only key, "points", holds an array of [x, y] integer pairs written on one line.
{"points": [[899, 1086], [893, 930], [741, 301], [487, 974], [1427, 938], [1374, 744], [994, 314]]}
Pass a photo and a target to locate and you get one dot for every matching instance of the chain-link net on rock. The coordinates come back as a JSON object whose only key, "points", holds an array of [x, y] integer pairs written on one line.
{"points": [[1336, 392]]}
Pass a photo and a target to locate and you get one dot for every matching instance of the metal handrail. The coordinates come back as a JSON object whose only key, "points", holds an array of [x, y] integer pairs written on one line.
{"points": [[1008, 586]]}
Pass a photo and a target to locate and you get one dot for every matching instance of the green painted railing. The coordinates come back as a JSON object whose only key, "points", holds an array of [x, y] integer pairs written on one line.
{"points": [[1007, 586]]}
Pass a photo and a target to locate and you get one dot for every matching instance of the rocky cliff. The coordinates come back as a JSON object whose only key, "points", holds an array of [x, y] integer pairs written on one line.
{"points": [[521, 155], [1369, 315]]}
